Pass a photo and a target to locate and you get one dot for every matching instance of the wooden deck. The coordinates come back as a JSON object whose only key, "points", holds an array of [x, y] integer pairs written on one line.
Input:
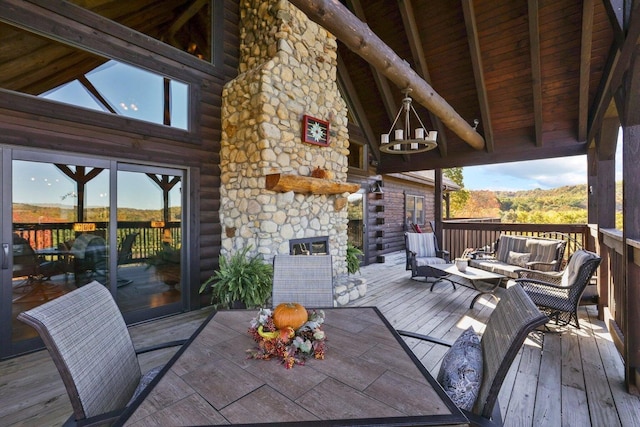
{"points": [[565, 377]]}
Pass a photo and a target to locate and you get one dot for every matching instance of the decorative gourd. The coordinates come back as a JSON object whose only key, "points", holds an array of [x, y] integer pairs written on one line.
{"points": [[289, 314]]}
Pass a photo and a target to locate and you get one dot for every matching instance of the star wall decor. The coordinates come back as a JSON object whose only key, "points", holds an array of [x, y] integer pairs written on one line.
{"points": [[315, 131]]}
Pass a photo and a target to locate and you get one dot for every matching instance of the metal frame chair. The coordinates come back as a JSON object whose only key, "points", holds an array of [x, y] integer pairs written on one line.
{"points": [[421, 250], [305, 279], [507, 328], [559, 294], [90, 345]]}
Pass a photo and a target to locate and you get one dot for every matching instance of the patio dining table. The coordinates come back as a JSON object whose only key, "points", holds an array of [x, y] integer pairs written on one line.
{"points": [[368, 377]]}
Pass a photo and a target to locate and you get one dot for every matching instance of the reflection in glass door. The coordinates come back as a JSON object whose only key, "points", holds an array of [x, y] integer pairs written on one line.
{"points": [[149, 234], [60, 214], [68, 221]]}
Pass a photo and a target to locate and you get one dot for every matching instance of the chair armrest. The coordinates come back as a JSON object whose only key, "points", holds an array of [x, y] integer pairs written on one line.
{"points": [[423, 337], [543, 276], [533, 264], [161, 346], [444, 255], [539, 285]]}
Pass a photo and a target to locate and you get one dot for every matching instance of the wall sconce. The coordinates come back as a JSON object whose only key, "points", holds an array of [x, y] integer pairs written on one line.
{"points": [[376, 188]]}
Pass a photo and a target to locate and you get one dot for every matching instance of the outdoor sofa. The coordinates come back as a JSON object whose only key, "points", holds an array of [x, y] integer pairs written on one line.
{"points": [[513, 253]]}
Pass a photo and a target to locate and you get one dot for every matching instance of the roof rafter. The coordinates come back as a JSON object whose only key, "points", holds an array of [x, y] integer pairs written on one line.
{"points": [[476, 62], [585, 68], [358, 37], [359, 110], [381, 81], [415, 44], [536, 73]]}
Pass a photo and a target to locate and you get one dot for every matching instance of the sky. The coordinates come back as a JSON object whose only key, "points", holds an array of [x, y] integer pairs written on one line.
{"points": [[542, 174]]}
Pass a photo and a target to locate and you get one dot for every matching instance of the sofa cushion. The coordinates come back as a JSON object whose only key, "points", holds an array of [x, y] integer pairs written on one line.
{"points": [[518, 258], [510, 243], [543, 251], [460, 373]]}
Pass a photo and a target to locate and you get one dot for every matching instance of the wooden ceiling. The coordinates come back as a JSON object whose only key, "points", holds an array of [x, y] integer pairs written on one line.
{"points": [[537, 74], [531, 72]]}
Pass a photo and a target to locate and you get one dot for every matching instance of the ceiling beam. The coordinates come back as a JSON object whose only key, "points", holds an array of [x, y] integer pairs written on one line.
{"points": [[358, 37], [359, 110], [381, 81], [536, 73], [585, 68], [476, 62], [619, 61], [415, 44]]}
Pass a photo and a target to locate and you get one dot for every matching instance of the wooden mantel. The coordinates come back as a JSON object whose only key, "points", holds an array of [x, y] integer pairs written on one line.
{"points": [[307, 185]]}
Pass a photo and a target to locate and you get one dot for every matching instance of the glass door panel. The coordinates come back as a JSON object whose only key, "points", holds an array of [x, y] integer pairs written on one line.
{"points": [[60, 223], [149, 235]]}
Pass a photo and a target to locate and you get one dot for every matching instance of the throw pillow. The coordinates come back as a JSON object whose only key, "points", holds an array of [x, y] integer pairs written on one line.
{"points": [[518, 258], [460, 373]]}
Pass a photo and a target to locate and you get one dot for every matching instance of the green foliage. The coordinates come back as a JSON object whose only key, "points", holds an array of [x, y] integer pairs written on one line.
{"points": [[458, 199], [353, 258], [239, 278], [562, 205]]}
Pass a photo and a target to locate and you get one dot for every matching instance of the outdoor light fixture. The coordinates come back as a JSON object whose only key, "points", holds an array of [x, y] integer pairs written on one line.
{"points": [[403, 143]]}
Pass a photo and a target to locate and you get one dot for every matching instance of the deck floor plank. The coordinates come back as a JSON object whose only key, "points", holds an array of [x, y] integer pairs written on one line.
{"points": [[556, 386]]}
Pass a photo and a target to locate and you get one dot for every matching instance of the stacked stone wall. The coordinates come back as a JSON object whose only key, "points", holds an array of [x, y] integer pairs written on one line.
{"points": [[287, 69]]}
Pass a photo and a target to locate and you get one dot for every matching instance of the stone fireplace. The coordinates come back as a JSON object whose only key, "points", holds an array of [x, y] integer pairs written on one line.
{"points": [[287, 71]]}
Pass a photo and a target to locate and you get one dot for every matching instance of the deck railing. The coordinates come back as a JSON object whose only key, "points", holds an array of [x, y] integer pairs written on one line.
{"points": [[461, 235], [150, 239]]}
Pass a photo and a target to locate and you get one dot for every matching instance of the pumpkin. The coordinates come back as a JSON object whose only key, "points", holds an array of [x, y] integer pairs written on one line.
{"points": [[289, 314]]}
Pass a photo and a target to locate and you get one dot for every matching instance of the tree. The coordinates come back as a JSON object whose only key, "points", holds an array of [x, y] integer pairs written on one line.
{"points": [[458, 199]]}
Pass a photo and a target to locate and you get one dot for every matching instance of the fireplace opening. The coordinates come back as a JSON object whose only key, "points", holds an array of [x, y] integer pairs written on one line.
{"points": [[309, 246]]}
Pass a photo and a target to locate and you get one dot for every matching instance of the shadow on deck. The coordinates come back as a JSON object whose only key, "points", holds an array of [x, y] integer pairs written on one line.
{"points": [[563, 377]]}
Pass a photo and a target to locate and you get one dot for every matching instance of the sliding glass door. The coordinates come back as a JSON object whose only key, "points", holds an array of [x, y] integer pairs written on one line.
{"points": [[67, 221]]}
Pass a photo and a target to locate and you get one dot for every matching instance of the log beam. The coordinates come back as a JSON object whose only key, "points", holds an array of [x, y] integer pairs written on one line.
{"points": [[358, 37], [307, 185]]}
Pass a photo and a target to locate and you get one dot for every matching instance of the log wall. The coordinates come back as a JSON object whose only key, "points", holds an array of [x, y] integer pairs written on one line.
{"points": [[28, 122]]}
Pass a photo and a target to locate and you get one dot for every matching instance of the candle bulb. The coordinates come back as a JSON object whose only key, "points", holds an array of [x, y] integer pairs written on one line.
{"points": [[399, 133], [414, 145], [384, 138], [419, 133], [433, 135], [397, 147]]}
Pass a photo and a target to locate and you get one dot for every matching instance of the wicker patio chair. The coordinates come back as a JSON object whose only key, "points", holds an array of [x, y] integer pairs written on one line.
{"points": [[421, 251], [305, 279], [92, 349], [507, 328], [558, 294]]}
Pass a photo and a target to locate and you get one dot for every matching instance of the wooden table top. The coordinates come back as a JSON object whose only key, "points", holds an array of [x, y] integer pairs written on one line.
{"points": [[369, 376]]}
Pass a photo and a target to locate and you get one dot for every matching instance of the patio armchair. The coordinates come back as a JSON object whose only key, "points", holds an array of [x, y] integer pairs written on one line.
{"points": [[473, 370], [422, 250], [91, 347], [305, 279], [559, 294]]}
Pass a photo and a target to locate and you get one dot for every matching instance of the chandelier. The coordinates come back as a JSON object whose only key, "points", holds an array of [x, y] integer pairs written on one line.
{"points": [[403, 143]]}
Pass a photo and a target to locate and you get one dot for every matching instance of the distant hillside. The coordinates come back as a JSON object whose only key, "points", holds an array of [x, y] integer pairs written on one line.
{"points": [[563, 205]]}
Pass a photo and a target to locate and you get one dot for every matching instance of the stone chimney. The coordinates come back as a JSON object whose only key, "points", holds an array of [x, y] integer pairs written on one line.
{"points": [[288, 67]]}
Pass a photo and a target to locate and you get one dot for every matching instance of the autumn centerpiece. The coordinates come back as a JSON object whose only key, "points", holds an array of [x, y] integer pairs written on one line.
{"points": [[288, 333]]}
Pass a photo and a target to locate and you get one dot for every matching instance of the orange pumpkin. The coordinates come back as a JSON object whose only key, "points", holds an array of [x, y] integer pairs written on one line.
{"points": [[289, 314]]}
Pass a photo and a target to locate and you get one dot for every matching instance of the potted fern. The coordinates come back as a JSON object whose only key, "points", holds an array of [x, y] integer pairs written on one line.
{"points": [[240, 281], [353, 258]]}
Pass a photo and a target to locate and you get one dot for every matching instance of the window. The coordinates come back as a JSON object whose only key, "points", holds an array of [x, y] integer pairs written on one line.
{"points": [[414, 210], [59, 72]]}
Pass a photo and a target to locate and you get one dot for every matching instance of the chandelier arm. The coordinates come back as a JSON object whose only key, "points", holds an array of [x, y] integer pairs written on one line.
{"points": [[418, 117], [395, 121]]}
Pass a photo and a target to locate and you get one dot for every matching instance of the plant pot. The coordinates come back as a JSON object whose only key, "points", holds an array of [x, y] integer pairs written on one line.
{"points": [[461, 264]]}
